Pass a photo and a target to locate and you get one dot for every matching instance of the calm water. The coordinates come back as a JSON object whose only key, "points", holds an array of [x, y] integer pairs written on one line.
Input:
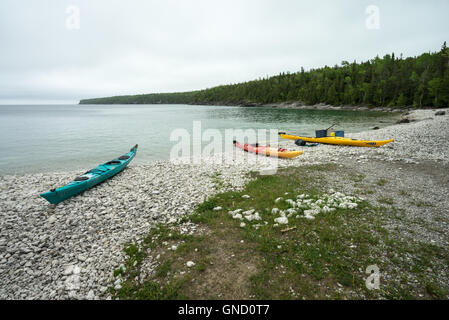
{"points": [[52, 137]]}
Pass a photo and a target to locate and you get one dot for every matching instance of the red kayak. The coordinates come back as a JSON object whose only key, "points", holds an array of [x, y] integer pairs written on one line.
{"points": [[267, 150]]}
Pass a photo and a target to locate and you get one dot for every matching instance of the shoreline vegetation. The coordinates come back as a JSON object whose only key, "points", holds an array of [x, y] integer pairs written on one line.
{"points": [[381, 84], [165, 231], [243, 250]]}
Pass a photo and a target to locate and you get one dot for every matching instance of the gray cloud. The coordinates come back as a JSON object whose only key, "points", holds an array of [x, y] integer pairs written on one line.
{"points": [[131, 47]]}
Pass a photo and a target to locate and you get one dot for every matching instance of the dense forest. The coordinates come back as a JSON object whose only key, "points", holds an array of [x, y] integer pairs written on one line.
{"points": [[390, 81]]}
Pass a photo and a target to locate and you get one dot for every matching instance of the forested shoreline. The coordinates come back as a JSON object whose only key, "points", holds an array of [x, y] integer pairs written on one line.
{"points": [[391, 81]]}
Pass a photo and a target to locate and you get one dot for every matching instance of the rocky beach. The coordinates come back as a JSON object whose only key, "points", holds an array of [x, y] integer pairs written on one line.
{"points": [[69, 251]]}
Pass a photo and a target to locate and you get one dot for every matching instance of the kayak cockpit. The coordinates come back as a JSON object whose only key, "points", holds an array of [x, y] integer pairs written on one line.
{"points": [[81, 178]]}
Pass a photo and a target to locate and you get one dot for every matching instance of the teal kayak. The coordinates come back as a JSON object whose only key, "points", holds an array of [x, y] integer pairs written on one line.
{"points": [[90, 178]]}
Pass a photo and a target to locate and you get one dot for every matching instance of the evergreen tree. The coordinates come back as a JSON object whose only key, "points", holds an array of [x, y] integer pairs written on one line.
{"points": [[421, 81]]}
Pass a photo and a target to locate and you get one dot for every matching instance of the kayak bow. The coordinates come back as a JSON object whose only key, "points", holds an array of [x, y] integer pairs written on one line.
{"points": [[90, 178]]}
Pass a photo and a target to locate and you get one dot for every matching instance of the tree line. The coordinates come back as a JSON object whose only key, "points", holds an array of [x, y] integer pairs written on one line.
{"points": [[390, 81]]}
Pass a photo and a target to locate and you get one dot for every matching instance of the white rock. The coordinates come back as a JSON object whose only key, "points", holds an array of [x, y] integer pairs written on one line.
{"points": [[352, 205], [249, 212], [308, 216], [235, 212], [246, 196], [69, 270], [76, 270], [325, 209], [52, 219], [190, 264], [172, 220], [90, 295], [291, 202], [343, 205], [218, 208], [281, 220], [238, 216], [249, 218], [72, 283]]}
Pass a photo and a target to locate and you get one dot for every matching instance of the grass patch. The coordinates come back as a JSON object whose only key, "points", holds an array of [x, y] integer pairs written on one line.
{"points": [[388, 201], [218, 181], [366, 191], [357, 177], [421, 204]]}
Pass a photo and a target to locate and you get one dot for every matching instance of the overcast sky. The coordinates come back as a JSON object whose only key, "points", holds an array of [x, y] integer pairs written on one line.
{"points": [[134, 47]]}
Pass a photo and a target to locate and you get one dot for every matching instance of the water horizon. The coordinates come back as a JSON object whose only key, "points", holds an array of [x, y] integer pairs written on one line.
{"points": [[45, 138]]}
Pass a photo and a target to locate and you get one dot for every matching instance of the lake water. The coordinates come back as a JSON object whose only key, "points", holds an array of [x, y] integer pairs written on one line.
{"points": [[37, 138]]}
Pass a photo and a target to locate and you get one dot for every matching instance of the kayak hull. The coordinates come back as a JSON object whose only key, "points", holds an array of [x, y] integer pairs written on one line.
{"points": [[340, 141], [90, 178], [269, 151]]}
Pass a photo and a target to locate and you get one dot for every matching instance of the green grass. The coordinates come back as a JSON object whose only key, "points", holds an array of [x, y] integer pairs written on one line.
{"points": [[421, 204], [386, 200], [323, 258], [218, 181], [357, 177]]}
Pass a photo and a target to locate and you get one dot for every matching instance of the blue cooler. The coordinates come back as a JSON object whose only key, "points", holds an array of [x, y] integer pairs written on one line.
{"points": [[340, 134]]}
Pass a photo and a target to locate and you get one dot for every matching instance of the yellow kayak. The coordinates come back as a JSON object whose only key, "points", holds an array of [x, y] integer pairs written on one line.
{"points": [[339, 141]]}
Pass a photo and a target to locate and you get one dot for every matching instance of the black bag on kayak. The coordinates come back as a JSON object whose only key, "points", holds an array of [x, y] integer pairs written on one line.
{"points": [[320, 133]]}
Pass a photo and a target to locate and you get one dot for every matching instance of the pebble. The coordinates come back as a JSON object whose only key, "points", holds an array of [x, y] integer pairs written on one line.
{"points": [[90, 295], [281, 220]]}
